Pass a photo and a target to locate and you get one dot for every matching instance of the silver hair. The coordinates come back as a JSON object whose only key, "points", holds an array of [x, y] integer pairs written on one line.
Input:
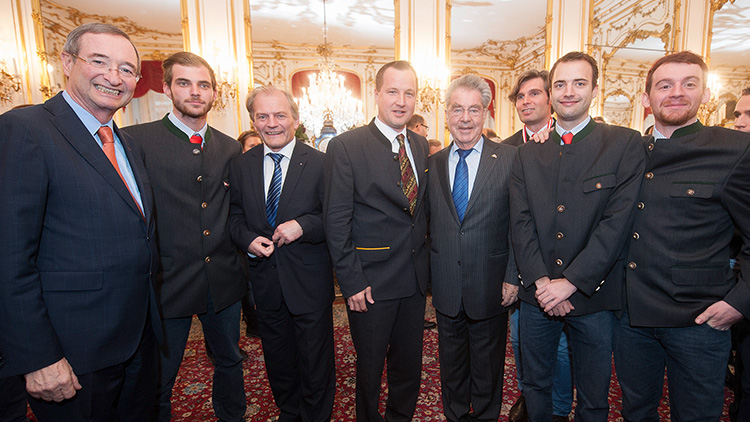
{"points": [[470, 82]]}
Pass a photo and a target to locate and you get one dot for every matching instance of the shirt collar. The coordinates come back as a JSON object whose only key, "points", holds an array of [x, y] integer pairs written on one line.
{"points": [[185, 129], [575, 130], [387, 131], [286, 151], [657, 134], [478, 147], [91, 123]]}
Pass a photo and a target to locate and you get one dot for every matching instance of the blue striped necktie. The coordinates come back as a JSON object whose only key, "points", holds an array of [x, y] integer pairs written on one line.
{"points": [[461, 184], [274, 189]]}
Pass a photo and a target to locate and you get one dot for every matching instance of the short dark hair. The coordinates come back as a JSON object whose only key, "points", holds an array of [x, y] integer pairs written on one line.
{"points": [[415, 120], [434, 143], [687, 57], [247, 134], [186, 58], [527, 76], [270, 89], [575, 56], [398, 65], [73, 42], [745, 91]]}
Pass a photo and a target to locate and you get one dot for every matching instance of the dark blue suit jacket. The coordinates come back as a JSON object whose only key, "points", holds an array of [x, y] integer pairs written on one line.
{"points": [[76, 254]]}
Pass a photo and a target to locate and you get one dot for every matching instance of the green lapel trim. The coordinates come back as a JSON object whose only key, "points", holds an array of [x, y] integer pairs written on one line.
{"points": [[178, 133], [687, 130], [577, 137]]}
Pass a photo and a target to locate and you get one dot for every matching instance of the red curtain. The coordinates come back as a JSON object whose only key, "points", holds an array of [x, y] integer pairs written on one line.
{"points": [[152, 77]]}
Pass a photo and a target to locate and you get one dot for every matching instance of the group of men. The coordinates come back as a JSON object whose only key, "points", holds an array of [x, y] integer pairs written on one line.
{"points": [[116, 238]]}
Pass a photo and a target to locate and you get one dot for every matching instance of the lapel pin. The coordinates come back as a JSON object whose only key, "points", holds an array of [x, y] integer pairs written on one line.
{"points": [[493, 155], [426, 170]]}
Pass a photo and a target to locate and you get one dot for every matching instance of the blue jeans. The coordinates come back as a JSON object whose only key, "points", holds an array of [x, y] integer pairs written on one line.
{"points": [[222, 332], [590, 338], [562, 383], [695, 358]]}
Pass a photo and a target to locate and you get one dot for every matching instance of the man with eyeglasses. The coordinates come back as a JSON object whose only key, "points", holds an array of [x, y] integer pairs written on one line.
{"points": [[78, 252], [201, 274], [572, 201]]}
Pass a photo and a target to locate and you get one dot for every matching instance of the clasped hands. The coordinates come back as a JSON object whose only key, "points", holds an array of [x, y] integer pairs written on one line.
{"points": [[553, 295], [284, 234]]}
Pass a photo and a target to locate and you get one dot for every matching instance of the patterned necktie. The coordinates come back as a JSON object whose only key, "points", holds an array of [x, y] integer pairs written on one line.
{"points": [[461, 184], [567, 138], [196, 139], [274, 189], [108, 146], [408, 181]]}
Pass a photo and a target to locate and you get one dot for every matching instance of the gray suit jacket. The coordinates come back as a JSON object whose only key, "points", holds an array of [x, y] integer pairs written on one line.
{"points": [[471, 259]]}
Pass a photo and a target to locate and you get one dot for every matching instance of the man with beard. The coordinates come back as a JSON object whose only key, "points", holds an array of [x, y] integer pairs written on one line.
{"points": [[682, 295], [188, 164], [572, 200]]}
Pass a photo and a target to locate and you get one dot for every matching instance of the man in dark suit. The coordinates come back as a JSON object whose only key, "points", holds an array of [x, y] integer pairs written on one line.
{"points": [[78, 253], [276, 217], [530, 96], [188, 164], [376, 225], [572, 200], [473, 269], [682, 294]]}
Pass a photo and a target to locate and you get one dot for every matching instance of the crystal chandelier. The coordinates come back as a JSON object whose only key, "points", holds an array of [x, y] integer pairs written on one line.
{"points": [[327, 100]]}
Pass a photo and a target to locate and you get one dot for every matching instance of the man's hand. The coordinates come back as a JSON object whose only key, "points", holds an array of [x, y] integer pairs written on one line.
{"points": [[359, 301], [720, 316], [510, 294], [56, 382], [542, 136], [287, 232], [554, 293], [542, 282], [562, 309], [261, 246]]}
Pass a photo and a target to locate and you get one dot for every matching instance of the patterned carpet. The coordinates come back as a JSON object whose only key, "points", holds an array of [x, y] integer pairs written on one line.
{"points": [[192, 398]]}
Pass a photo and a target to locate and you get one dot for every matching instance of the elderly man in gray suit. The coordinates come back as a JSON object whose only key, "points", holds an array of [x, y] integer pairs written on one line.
{"points": [[473, 270]]}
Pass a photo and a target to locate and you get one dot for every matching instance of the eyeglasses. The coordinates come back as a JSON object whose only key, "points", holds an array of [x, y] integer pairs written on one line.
{"points": [[424, 126], [459, 111], [125, 71]]}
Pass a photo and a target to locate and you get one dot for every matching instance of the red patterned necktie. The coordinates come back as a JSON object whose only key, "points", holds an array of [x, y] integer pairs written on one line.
{"points": [[108, 146], [408, 181], [567, 138]]}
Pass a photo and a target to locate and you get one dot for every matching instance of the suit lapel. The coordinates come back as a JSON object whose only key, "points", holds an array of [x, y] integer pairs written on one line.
{"points": [[296, 165], [139, 172], [441, 160], [256, 173], [70, 126], [486, 163]]}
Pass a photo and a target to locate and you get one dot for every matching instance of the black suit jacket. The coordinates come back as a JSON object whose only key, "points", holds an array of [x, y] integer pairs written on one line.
{"points": [[471, 259], [515, 139], [300, 273], [373, 239], [571, 212], [191, 203], [77, 256], [695, 192]]}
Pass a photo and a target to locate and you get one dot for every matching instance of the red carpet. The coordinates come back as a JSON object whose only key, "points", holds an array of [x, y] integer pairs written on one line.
{"points": [[191, 400]]}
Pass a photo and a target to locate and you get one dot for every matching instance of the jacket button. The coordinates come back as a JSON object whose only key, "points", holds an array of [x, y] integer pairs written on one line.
{"points": [[200, 178], [406, 209], [598, 185], [649, 176], [559, 235], [208, 259], [632, 265], [204, 205], [459, 263], [395, 158], [690, 192], [650, 147], [560, 208], [206, 232], [641, 205], [196, 151], [636, 236], [559, 262]]}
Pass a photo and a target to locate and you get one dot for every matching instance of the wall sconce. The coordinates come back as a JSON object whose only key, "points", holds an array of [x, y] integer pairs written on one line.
{"points": [[9, 83], [707, 110], [433, 81]]}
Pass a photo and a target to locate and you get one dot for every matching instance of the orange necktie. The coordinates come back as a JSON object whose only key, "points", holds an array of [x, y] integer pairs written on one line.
{"points": [[108, 146]]}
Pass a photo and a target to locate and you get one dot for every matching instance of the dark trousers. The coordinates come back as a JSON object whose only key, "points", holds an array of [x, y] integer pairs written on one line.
{"points": [[741, 332], [300, 361], [123, 392], [13, 399], [222, 333], [695, 358], [472, 359], [590, 339], [389, 332]]}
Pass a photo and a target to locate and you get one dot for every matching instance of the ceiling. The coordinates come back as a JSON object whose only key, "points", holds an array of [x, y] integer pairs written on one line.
{"points": [[369, 23]]}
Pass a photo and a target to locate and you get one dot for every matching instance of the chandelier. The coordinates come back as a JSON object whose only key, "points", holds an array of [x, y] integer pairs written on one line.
{"points": [[326, 100]]}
